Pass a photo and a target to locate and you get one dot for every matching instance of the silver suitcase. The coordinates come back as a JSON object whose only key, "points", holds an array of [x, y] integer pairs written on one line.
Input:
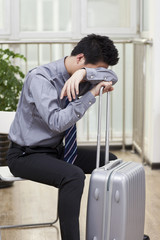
{"points": [[116, 200]]}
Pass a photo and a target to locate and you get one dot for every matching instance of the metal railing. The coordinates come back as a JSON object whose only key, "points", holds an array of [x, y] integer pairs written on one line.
{"points": [[41, 52]]}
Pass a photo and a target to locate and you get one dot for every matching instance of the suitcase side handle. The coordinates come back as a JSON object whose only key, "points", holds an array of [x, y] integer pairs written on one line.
{"points": [[99, 129]]}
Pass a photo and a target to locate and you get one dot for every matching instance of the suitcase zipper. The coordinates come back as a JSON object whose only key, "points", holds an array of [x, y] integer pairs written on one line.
{"points": [[110, 199], [115, 169]]}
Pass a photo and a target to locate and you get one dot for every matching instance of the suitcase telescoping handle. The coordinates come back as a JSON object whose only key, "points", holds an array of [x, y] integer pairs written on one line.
{"points": [[114, 163], [99, 129]]}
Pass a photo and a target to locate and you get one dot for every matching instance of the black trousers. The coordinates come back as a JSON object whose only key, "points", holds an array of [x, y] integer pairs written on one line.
{"points": [[46, 165]]}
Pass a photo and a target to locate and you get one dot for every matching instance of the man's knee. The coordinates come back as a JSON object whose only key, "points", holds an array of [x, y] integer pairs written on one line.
{"points": [[75, 176], [78, 174]]}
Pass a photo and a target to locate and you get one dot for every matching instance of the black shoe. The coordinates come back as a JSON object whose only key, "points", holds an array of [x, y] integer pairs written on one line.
{"points": [[145, 237]]}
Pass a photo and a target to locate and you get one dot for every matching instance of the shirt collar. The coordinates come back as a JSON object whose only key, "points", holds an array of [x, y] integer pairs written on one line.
{"points": [[62, 69]]}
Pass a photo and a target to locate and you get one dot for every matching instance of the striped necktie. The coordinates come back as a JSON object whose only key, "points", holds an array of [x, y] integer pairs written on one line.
{"points": [[70, 151]]}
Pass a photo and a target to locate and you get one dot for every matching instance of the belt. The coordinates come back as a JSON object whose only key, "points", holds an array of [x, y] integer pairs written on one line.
{"points": [[15, 145], [38, 149]]}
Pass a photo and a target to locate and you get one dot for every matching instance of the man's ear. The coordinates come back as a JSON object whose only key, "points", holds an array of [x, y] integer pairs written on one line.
{"points": [[80, 58]]}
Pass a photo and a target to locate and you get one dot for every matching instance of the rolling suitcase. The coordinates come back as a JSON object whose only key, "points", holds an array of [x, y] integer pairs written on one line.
{"points": [[116, 199]]}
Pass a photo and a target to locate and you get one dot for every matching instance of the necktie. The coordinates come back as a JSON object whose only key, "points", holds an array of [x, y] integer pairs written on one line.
{"points": [[70, 151]]}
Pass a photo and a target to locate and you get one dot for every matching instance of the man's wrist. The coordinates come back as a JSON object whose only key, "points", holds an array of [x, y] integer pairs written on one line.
{"points": [[93, 92], [83, 71]]}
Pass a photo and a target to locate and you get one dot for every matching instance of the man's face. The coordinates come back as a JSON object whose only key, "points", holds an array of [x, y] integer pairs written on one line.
{"points": [[81, 63], [78, 62], [97, 65]]}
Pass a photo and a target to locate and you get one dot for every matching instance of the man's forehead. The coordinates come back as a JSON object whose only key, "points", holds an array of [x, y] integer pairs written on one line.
{"points": [[96, 65]]}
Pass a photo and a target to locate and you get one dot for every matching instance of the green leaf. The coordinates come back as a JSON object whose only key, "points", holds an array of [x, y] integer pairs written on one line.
{"points": [[11, 80]]}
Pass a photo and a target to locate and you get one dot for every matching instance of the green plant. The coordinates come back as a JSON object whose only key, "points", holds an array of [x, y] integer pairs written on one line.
{"points": [[11, 78]]}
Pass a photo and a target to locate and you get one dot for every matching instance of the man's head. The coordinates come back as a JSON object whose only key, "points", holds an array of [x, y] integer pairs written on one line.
{"points": [[97, 49], [92, 51]]}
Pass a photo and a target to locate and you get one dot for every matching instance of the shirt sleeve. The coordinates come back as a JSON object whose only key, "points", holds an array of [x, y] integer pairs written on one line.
{"points": [[52, 110], [95, 75]]}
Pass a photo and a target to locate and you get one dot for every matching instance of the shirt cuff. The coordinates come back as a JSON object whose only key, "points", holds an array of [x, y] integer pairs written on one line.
{"points": [[95, 75], [87, 100]]}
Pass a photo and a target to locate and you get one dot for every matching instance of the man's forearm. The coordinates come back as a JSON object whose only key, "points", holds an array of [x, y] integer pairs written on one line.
{"points": [[91, 75]]}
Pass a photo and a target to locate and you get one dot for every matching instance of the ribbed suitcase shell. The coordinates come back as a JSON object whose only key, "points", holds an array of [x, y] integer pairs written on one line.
{"points": [[116, 203], [116, 199]]}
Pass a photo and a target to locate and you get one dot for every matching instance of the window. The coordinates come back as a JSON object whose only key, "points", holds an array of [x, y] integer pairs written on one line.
{"points": [[45, 16], [145, 16], [48, 19], [4, 17], [1, 14], [109, 16]]}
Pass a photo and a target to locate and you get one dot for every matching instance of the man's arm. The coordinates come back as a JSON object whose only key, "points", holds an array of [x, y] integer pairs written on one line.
{"points": [[47, 107], [95, 75], [107, 88], [92, 75], [71, 86]]}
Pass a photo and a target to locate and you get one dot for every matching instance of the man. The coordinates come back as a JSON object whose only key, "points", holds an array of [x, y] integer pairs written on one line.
{"points": [[54, 97]]}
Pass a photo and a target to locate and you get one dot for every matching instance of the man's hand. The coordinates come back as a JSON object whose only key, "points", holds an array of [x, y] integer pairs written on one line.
{"points": [[107, 88], [71, 86]]}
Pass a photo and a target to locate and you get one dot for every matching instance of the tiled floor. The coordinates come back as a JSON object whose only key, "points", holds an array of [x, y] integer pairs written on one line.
{"points": [[32, 202]]}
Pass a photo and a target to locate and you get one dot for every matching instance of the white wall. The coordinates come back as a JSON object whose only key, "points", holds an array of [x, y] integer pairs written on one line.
{"points": [[155, 15], [6, 119], [153, 84]]}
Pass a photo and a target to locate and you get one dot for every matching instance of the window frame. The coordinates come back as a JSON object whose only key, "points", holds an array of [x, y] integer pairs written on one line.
{"points": [[114, 32], [46, 34], [79, 24]]}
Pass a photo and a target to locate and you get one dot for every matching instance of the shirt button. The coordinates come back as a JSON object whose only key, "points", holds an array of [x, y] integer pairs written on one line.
{"points": [[91, 76], [105, 78], [78, 115], [90, 103]]}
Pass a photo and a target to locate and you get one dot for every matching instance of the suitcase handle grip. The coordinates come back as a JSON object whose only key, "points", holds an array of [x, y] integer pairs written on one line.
{"points": [[99, 129], [113, 164]]}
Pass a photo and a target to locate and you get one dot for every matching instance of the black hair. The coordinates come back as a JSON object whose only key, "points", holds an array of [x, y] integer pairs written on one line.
{"points": [[97, 48]]}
